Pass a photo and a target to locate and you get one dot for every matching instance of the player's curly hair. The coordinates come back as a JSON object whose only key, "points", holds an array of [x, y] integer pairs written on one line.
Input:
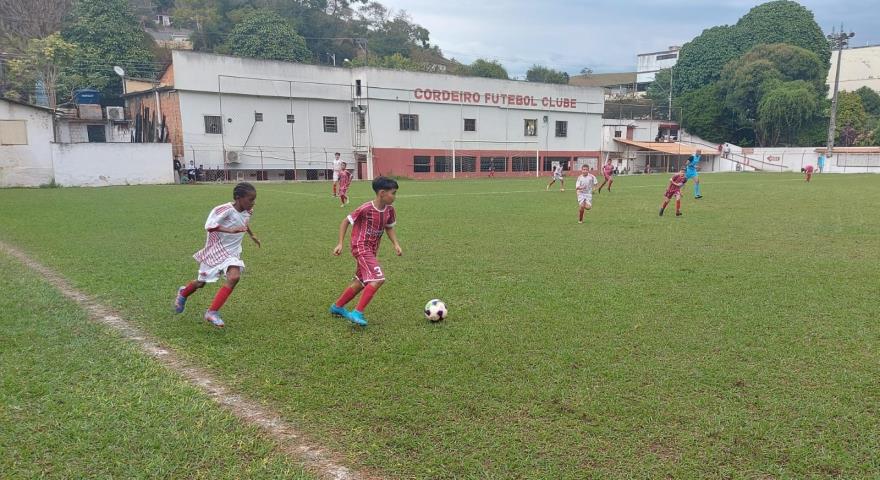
{"points": [[243, 189]]}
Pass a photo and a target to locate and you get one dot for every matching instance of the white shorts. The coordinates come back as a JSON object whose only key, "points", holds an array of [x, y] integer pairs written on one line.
{"points": [[585, 198], [335, 175], [557, 176], [211, 274]]}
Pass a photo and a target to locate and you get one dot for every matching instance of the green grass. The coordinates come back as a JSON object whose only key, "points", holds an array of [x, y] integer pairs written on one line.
{"points": [[79, 402], [740, 340]]}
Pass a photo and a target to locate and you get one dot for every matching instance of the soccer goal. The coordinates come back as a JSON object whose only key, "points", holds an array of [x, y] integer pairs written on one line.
{"points": [[470, 158]]}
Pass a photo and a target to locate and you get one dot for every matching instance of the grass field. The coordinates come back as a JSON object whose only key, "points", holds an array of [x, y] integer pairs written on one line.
{"points": [[740, 340]]}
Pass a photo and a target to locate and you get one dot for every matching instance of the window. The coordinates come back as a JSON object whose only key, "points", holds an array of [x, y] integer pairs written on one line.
{"points": [[523, 164], [531, 127], [465, 164], [97, 133], [561, 128], [258, 117], [409, 122], [291, 119], [442, 164], [617, 134], [500, 163], [362, 121], [667, 56], [213, 124], [330, 125], [470, 124], [13, 132], [421, 164]]}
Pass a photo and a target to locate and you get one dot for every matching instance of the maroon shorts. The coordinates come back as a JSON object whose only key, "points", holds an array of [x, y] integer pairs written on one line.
{"points": [[672, 193], [607, 177], [368, 269]]}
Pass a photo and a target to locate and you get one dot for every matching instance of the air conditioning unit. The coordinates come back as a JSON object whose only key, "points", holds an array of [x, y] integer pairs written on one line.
{"points": [[117, 114], [232, 156]]}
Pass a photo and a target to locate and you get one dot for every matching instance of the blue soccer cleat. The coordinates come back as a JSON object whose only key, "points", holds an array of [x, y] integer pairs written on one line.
{"points": [[356, 318], [180, 301], [338, 311]]}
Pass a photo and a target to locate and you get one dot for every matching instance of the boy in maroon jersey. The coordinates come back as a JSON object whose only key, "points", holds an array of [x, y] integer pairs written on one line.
{"points": [[607, 172], [368, 222], [808, 172], [344, 182], [674, 190]]}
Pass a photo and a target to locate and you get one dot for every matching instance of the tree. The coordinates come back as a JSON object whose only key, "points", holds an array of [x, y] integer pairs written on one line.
{"points": [[107, 34], [853, 124], [22, 20], [43, 62], [703, 114], [546, 75], [870, 100], [701, 60], [265, 34], [487, 69], [784, 111]]}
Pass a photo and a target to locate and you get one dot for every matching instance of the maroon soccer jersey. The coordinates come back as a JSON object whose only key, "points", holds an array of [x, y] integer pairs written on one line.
{"points": [[673, 188], [808, 169], [344, 180], [608, 169], [367, 226]]}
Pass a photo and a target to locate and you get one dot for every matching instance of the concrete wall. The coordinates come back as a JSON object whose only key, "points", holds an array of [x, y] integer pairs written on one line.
{"points": [[103, 164], [859, 67], [27, 165], [795, 158], [648, 64]]}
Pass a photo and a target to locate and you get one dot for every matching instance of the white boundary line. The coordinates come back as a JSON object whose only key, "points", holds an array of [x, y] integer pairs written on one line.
{"points": [[291, 442]]}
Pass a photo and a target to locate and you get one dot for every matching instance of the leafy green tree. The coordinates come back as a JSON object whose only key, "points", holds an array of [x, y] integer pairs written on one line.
{"points": [[701, 60], [870, 100], [784, 111], [394, 62], [265, 34], [487, 69], [853, 120], [108, 34], [546, 75], [703, 114], [43, 61]]}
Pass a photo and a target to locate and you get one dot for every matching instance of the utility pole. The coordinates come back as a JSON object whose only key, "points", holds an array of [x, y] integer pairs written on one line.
{"points": [[669, 113], [838, 41]]}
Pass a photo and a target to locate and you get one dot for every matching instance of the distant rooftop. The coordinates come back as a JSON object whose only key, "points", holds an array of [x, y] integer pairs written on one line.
{"points": [[603, 79]]}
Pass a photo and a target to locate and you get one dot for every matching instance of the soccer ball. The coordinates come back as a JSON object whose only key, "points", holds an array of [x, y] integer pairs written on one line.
{"points": [[436, 310]]}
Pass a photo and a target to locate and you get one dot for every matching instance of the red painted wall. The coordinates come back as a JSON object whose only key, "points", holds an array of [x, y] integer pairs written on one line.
{"points": [[399, 161]]}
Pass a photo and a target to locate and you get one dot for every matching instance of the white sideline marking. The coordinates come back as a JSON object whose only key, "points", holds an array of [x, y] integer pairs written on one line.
{"points": [[291, 442]]}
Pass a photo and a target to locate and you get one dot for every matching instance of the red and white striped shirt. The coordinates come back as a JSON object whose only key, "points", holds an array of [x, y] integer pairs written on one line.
{"points": [[344, 180], [220, 245], [367, 226]]}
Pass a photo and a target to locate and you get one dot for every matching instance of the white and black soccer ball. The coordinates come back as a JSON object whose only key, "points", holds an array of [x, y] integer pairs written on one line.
{"points": [[436, 310]]}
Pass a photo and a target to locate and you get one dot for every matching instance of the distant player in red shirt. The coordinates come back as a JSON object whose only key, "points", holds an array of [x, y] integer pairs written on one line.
{"points": [[808, 172], [674, 190], [491, 170], [344, 182], [226, 226], [607, 172], [368, 223]]}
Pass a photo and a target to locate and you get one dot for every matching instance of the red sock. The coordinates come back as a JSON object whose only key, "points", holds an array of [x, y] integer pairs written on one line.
{"points": [[369, 291], [220, 298], [678, 205], [189, 289], [334, 189], [346, 297], [581, 215]]}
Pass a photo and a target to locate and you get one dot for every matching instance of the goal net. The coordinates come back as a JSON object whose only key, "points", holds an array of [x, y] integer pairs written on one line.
{"points": [[481, 158]]}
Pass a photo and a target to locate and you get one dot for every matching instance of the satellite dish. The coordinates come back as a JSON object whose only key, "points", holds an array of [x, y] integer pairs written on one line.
{"points": [[119, 71]]}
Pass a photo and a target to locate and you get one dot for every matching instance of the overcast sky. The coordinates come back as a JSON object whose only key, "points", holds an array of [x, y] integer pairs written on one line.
{"points": [[604, 35]]}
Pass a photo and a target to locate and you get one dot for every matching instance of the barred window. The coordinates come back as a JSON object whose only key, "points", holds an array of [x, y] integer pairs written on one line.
{"points": [[523, 164], [465, 164], [561, 128], [330, 125], [421, 164], [500, 163], [442, 164], [409, 122], [213, 124], [470, 124]]}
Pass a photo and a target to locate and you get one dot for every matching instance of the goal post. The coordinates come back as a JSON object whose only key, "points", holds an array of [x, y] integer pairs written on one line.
{"points": [[511, 148]]}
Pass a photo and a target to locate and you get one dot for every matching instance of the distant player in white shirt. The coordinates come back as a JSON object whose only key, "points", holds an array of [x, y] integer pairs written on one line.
{"points": [[584, 188], [337, 167], [226, 226], [557, 175]]}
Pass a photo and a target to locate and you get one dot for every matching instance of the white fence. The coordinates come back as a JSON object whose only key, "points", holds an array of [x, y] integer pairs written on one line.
{"points": [[103, 164], [796, 158]]}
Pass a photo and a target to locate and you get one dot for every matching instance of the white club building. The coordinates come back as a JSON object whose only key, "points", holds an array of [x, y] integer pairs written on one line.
{"points": [[278, 120]]}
